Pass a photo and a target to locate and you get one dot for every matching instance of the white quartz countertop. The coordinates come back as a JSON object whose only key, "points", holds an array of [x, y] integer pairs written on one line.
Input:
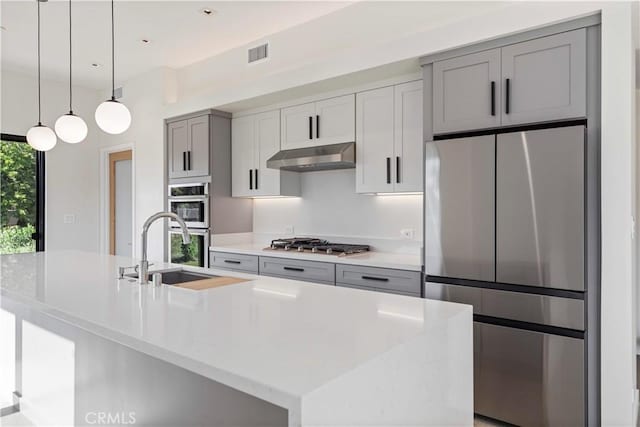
{"points": [[369, 259], [273, 338]]}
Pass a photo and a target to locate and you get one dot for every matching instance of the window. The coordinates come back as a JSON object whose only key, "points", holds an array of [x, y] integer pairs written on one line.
{"points": [[21, 196]]}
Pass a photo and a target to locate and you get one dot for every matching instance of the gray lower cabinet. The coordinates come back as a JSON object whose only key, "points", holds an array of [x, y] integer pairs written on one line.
{"points": [[379, 279], [235, 262], [309, 271]]}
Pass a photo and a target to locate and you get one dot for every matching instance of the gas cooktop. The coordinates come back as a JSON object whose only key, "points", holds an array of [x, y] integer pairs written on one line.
{"points": [[320, 246]]}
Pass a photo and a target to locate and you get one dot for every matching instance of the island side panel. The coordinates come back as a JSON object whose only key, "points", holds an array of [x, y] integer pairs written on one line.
{"points": [[76, 377], [426, 381]]}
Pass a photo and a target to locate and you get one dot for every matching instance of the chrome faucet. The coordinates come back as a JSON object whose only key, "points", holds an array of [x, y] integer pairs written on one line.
{"points": [[143, 271]]}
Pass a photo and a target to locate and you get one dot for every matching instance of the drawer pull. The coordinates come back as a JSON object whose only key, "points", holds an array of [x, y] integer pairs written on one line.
{"points": [[300, 270], [376, 279], [231, 261]]}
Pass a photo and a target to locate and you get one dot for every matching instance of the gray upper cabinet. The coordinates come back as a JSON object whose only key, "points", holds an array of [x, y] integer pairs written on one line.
{"points": [[533, 81], [198, 146], [188, 147], [546, 78], [466, 92], [178, 146]]}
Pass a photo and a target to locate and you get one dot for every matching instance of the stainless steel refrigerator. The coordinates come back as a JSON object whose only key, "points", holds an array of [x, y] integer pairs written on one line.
{"points": [[506, 230]]}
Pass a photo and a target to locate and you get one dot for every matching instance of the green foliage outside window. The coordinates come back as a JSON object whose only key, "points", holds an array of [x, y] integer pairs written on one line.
{"points": [[17, 197]]}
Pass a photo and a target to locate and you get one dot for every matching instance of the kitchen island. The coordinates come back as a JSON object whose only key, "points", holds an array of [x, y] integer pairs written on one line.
{"points": [[265, 351]]}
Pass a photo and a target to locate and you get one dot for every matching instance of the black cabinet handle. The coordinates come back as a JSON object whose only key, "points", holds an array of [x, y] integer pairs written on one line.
{"points": [[184, 160], [398, 169], [508, 96], [189, 160], [300, 270], [376, 279], [256, 178], [388, 170], [310, 127], [230, 261], [493, 98], [250, 179], [317, 126]]}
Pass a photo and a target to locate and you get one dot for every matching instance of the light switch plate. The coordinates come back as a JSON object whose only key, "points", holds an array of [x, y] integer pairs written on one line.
{"points": [[69, 218]]}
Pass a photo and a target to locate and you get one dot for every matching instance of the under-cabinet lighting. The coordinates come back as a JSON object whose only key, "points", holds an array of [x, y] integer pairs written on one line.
{"points": [[274, 197], [400, 315], [409, 193]]}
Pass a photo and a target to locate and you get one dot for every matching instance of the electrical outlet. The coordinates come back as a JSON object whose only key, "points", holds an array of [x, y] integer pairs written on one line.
{"points": [[289, 230], [407, 233], [69, 218]]}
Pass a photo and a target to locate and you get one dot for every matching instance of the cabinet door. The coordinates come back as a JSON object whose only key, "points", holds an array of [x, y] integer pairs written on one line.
{"points": [[540, 208], [297, 126], [460, 208], [242, 156], [178, 145], [267, 134], [466, 92], [198, 153], [374, 141], [408, 137], [546, 78], [335, 120]]}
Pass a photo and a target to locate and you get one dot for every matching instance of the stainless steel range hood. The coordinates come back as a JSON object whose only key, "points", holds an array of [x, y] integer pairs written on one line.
{"points": [[325, 157]]}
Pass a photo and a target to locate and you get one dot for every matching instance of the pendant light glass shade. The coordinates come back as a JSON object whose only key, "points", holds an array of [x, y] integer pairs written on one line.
{"points": [[113, 117], [71, 128], [41, 138]]}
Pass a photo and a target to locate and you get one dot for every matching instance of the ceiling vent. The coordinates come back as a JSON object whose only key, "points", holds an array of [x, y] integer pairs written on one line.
{"points": [[258, 53]]}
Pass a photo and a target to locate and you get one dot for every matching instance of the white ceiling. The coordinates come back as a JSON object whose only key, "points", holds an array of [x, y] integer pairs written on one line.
{"points": [[179, 33]]}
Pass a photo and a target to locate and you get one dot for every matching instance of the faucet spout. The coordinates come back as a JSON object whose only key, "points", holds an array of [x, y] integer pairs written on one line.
{"points": [[143, 272]]}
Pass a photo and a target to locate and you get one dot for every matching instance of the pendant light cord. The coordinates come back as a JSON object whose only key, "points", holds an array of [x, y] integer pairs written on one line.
{"points": [[70, 66], [39, 104], [113, 60]]}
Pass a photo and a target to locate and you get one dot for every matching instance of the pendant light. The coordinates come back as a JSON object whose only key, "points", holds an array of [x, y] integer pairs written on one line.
{"points": [[40, 137], [112, 116], [69, 127]]}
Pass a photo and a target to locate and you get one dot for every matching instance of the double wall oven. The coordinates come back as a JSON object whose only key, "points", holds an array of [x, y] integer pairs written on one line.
{"points": [[191, 203]]}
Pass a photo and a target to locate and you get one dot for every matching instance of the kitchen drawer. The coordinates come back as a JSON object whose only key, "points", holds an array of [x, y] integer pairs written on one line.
{"points": [[387, 291], [383, 279], [236, 262], [310, 271]]}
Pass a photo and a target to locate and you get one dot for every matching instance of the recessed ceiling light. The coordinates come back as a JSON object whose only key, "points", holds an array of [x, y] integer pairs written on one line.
{"points": [[208, 11], [96, 65], [145, 41], [3, 28]]}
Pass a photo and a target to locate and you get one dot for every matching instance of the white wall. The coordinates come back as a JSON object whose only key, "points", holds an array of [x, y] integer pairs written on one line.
{"points": [[329, 206], [71, 178]]}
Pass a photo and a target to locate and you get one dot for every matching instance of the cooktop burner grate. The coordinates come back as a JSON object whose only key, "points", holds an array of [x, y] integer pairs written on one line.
{"points": [[313, 245]]}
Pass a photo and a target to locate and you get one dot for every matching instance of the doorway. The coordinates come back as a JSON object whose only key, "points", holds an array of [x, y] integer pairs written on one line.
{"points": [[121, 203], [21, 196]]}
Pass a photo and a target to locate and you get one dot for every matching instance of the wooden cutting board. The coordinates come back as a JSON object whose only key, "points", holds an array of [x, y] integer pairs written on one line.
{"points": [[214, 282]]}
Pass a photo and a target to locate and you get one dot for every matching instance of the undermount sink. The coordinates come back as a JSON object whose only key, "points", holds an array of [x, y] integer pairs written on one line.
{"points": [[176, 277]]}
